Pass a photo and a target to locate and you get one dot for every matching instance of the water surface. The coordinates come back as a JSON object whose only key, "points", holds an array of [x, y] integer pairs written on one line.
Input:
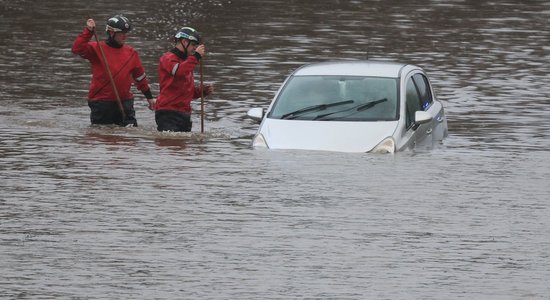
{"points": [[95, 212]]}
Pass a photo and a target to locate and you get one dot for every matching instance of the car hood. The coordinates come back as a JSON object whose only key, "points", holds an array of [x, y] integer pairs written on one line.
{"points": [[326, 135]]}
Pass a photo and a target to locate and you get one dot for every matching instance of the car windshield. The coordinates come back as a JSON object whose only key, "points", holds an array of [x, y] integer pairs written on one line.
{"points": [[338, 98]]}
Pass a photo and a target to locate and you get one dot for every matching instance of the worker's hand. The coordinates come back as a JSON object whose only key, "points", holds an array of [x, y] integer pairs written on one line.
{"points": [[90, 24], [152, 103], [200, 50], [208, 89]]}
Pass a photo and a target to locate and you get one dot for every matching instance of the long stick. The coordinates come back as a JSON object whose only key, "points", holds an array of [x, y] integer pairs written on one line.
{"points": [[202, 96], [111, 78]]}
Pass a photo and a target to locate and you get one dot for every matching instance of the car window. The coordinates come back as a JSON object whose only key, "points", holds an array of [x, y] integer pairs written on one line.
{"points": [[424, 90], [413, 102], [342, 98]]}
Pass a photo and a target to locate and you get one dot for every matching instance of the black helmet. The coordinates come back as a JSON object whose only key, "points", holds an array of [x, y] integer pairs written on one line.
{"points": [[188, 33], [118, 23]]}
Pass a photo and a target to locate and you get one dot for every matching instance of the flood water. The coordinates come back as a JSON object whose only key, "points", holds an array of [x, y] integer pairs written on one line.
{"points": [[129, 213]]}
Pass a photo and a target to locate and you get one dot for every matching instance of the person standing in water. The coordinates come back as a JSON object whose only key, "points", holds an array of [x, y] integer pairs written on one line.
{"points": [[177, 82], [125, 67]]}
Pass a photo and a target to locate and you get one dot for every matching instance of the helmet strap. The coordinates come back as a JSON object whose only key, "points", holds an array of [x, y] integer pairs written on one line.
{"points": [[184, 48]]}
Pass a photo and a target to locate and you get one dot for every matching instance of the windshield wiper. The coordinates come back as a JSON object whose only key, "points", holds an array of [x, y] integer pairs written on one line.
{"points": [[313, 108], [371, 104], [357, 108]]}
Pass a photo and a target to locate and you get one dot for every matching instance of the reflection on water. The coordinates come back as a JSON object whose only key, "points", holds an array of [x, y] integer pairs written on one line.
{"points": [[102, 212], [176, 144]]}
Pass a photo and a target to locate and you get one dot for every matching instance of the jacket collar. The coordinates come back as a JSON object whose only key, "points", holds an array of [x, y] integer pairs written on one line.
{"points": [[112, 43], [179, 53]]}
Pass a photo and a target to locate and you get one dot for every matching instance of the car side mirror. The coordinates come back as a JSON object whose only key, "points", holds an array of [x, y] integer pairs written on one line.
{"points": [[256, 113], [421, 117]]}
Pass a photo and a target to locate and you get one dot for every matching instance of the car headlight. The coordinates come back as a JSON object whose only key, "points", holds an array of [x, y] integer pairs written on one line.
{"points": [[259, 142], [386, 146]]}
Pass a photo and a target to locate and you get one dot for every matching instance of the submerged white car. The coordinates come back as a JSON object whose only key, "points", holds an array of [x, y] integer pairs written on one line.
{"points": [[352, 106]]}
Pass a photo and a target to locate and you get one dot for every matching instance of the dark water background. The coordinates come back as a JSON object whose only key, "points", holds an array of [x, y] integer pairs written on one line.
{"points": [[111, 213]]}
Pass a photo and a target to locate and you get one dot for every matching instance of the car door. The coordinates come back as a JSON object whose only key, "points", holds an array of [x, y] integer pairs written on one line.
{"points": [[418, 98]]}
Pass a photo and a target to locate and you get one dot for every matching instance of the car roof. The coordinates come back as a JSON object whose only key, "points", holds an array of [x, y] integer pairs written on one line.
{"points": [[354, 68]]}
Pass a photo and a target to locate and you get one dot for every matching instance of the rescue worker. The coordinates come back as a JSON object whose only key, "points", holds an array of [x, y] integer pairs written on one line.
{"points": [[125, 67], [177, 82]]}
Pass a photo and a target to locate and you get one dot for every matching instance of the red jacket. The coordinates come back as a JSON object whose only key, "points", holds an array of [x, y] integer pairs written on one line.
{"points": [[124, 63], [177, 82]]}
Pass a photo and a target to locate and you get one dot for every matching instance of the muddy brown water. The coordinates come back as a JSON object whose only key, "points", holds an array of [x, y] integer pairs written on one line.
{"points": [[129, 213]]}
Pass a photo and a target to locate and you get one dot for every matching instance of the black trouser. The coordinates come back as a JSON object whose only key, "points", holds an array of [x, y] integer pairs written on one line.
{"points": [[108, 112], [171, 120]]}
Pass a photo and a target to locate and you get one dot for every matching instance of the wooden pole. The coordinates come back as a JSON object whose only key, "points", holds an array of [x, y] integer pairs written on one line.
{"points": [[110, 78], [202, 95]]}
